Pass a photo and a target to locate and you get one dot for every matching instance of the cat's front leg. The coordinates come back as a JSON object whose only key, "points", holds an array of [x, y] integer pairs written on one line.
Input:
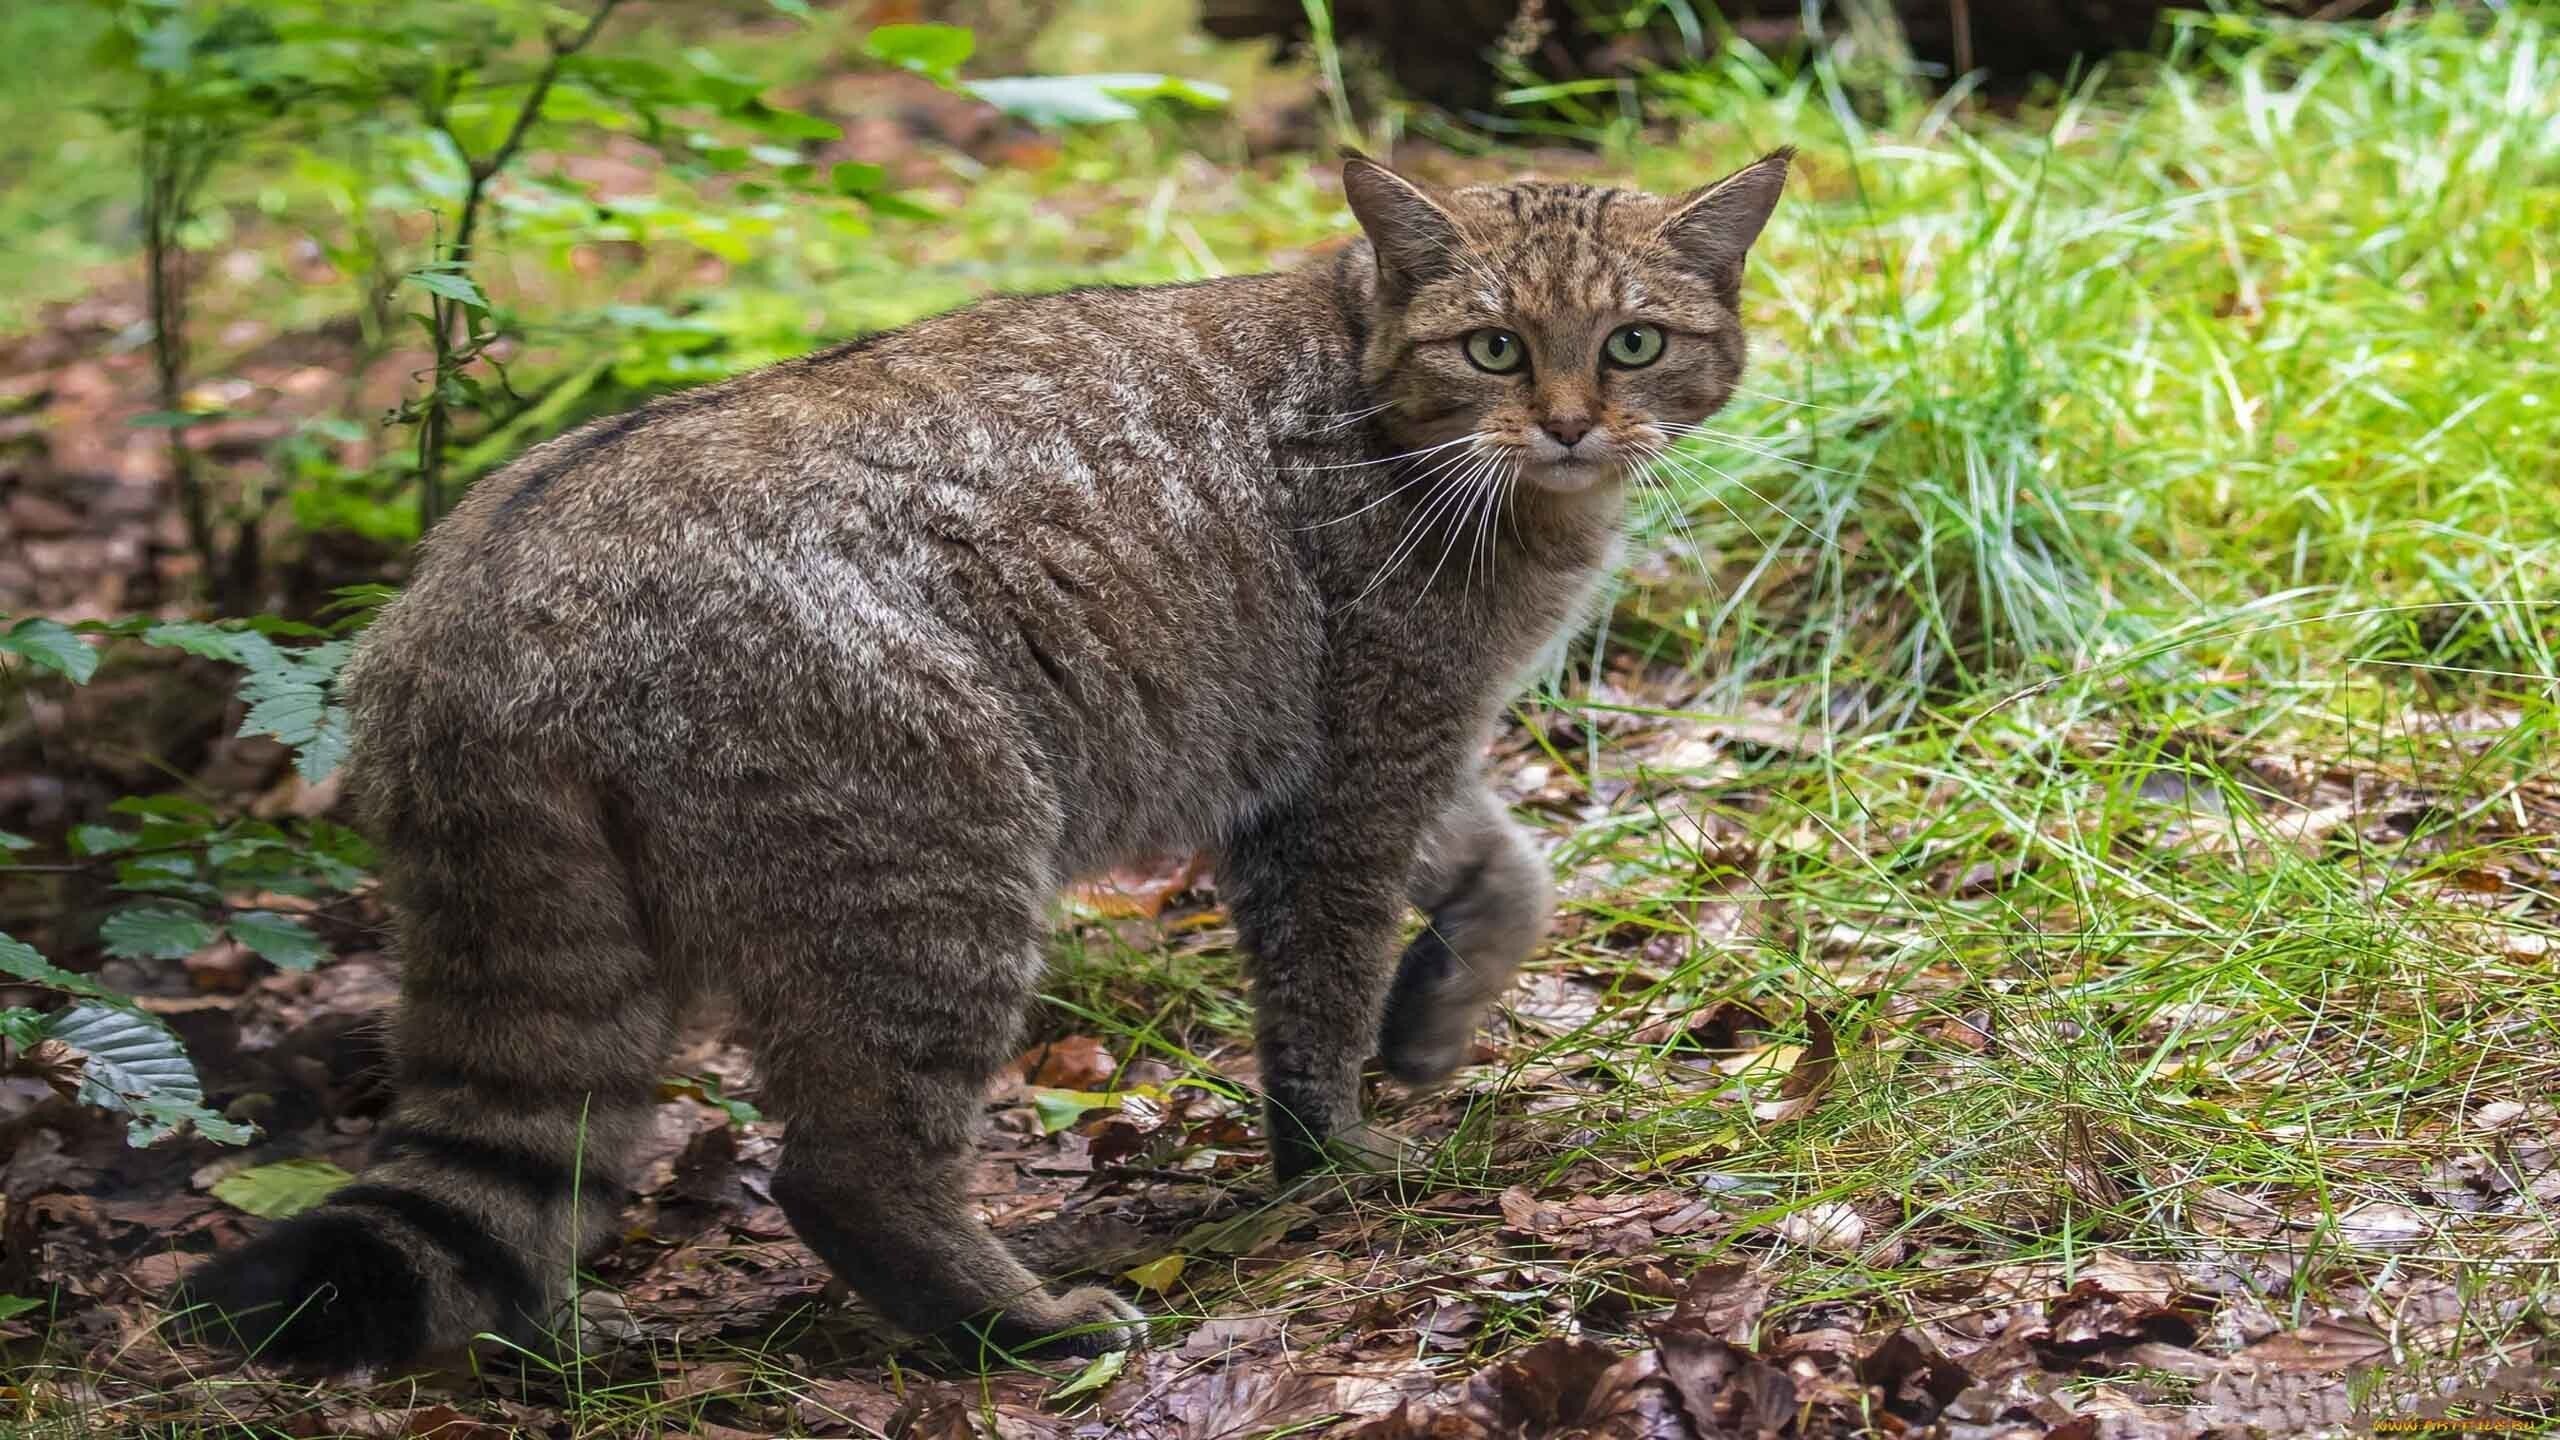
{"points": [[1488, 899], [1318, 894]]}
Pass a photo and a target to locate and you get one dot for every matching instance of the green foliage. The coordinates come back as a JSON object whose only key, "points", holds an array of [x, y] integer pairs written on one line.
{"points": [[19, 961], [286, 1187], [130, 1062], [933, 51], [178, 865], [288, 693], [53, 646], [155, 931]]}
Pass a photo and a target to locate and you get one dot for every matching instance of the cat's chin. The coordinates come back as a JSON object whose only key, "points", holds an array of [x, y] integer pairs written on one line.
{"points": [[1572, 477]]}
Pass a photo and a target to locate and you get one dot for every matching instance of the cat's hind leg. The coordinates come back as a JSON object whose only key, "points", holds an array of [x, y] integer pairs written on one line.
{"points": [[1485, 891], [884, 964]]}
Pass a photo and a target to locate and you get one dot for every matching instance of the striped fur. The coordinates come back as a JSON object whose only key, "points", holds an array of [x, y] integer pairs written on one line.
{"points": [[812, 688]]}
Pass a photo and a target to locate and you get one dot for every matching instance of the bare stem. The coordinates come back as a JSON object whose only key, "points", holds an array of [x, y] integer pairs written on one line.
{"points": [[435, 420]]}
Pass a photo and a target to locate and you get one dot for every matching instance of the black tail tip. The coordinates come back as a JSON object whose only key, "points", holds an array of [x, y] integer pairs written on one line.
{"points": [[323, 1292]]}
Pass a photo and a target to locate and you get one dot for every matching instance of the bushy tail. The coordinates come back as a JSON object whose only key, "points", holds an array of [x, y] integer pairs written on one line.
{"points": [[533, 1024]]}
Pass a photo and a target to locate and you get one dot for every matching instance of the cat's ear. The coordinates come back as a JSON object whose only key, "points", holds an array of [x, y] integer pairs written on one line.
{"points": [[1415, 238], [1713, 226]]}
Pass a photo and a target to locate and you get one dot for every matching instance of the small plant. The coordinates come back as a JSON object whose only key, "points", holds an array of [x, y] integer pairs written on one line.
{"points": [[184, 874]]}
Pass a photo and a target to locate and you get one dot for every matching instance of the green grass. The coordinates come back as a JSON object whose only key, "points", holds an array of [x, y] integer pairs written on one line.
{"points": [[2105, 670]]}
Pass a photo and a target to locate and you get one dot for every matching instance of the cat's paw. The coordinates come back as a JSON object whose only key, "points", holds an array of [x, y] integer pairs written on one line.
{"points": [[1368, 1150], [1423, 1058], [1097, 1321]]}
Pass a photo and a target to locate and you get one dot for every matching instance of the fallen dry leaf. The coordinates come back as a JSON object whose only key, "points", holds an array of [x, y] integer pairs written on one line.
{"points": [[1554, 1388], [1074, 1062], [1808, 1078], [2324, 1346], [1724, 1300]]}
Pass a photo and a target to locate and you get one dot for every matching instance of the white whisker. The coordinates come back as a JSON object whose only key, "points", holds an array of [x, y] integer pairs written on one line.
{"points": [[1417, 530], [1466, 439], [1749, 445], [1426, 472]]}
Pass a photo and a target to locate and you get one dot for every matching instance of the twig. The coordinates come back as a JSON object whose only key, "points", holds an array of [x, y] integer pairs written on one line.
{"points": [[435, 423]]}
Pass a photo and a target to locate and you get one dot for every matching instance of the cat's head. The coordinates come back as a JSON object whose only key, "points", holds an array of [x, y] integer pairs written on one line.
{"points": [[1563, 328]]}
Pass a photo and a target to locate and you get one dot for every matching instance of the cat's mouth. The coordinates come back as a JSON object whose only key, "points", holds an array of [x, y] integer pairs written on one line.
{"points": [[1572, 474], [1572, 469]]}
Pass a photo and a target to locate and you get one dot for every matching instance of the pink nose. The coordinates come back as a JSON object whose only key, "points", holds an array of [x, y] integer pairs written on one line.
{"points": [[1568, 428]]}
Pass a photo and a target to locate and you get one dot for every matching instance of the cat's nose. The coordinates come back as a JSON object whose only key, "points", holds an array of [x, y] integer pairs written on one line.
{"points": [[1568, 428]]}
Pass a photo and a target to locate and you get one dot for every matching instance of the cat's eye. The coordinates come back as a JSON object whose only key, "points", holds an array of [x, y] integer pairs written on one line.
{"points": [[1499, 351], [1634, 346]]}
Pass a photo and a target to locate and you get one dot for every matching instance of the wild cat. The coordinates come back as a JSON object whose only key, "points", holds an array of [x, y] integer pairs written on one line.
{"points": [[812, 687]]}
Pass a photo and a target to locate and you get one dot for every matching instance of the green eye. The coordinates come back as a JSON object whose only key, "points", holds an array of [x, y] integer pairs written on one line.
{"points": [[1499, 351], [1634, 346]]}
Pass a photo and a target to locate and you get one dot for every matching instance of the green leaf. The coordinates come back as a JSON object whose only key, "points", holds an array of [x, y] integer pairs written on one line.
{"points": [[13, 841], [164, 875], [287, 1187], [155, 932], [857, 177], [127, 1060], [281, 939], [130, 1062], [1059, 1109], [326, 750], [1157, 1275], [706, 1089], [19, 961], [931, 50], [90, 841], [196, 638], [788, 124], [13, 1306], [796, 9], [1090, 99], [897, 207], [165, 807], [288, 696], [1095, 1377], [21, 1026], [452, 284], [52, 645], [157, 1118]]}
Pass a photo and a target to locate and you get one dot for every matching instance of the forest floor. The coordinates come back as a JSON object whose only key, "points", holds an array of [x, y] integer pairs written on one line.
{"points": [[2059, 834]]}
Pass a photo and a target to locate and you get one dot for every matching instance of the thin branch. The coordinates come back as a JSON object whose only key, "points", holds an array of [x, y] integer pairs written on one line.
{"points": [[435, 423]]}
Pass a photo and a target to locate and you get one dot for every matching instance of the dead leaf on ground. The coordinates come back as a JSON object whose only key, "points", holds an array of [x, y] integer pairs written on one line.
{"points": [[1556, 1387], [1073, 1062], [1624, 1223], [1724, 1300], [1723, 1388], [2322, 1347], [1812, 1074], [1138, 893]]}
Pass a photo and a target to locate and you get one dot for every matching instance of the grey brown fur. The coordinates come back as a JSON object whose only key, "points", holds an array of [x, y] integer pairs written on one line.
{"points": [[814, 686]]}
